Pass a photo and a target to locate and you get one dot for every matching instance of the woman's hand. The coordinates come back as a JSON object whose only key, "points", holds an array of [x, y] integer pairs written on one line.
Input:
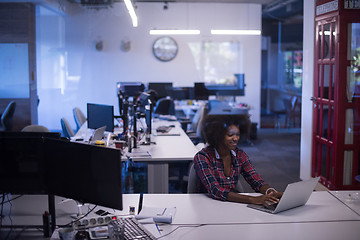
{"points": [[265, 199]]}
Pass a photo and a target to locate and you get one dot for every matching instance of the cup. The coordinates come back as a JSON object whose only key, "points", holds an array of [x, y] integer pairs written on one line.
{"points": [[120, 144], [67, 233]]}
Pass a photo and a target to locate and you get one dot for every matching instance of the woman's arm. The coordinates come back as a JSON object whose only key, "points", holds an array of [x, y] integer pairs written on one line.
{"points": [[269, 196]]}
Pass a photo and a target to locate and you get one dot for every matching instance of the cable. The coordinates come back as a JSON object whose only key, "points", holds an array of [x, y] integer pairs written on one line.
{"points": [[180, 226], [11, 222], [12, 199]]}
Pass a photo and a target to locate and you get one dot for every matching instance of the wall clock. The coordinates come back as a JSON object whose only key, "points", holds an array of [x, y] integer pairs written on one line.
{"points": [[165, 49]]}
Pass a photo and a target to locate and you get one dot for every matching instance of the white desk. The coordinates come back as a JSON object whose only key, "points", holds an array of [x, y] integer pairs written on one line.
{"points": [[200, 209], [166, 150], [200, 217], [349, 198]]}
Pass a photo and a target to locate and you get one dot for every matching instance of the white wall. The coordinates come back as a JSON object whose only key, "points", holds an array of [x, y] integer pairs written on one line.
{"points": [[307, 93], [72, 73]]}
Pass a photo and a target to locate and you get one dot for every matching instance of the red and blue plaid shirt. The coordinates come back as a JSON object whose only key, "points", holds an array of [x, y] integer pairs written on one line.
{"points": [[209, 169]]}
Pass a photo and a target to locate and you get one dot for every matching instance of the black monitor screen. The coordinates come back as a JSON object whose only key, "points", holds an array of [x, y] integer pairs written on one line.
{"points": [[200, 91], [84, 172], [163, 89], [22, 162], [100, 115], [133, 90]]}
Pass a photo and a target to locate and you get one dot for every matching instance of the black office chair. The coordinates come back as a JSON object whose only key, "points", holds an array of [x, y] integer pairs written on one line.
{"points": [[66, 129], [6, 122], [165, 106]]}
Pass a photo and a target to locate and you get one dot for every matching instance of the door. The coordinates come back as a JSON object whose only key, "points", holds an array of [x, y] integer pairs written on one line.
{"points": [[18, 62]]}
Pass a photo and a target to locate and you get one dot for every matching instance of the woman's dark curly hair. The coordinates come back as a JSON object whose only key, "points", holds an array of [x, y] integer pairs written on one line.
{"points": [[215, 127]]}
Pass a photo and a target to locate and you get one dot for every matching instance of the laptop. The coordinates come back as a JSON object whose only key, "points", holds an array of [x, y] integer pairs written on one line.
{"points": [[98, 134], [295, 195]]}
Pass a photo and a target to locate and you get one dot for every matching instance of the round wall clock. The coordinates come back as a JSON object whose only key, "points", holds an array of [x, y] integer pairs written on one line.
{"points": [[165, 49]]}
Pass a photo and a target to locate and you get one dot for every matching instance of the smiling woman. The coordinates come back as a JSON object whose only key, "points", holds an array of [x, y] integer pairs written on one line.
{"points": [[219, 165]]}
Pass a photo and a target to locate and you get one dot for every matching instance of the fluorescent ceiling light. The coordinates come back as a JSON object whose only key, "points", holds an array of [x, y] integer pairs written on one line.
{"points": [[132, 13], [236, 32], [174, 32]]}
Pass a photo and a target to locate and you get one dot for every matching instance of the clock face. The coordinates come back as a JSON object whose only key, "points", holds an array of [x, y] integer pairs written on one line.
{"points": [[165, 49]]}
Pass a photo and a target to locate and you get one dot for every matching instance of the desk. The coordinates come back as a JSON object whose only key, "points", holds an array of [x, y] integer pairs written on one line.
{"points": [[349, 198], [200, 217], [167, 149]]}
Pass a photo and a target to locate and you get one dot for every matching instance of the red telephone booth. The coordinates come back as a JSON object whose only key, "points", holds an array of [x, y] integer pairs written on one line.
{"points": [[336, 101]]}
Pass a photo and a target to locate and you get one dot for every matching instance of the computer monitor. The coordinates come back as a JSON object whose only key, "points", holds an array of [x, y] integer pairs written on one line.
{"points": [[99, 115], [43, 163], [133, 90], [84, 172], [200, 91], [163, 89], [22, 162], [180, 93]]}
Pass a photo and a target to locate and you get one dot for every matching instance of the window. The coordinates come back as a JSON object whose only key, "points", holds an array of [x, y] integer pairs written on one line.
{"points": [[217, 62]]}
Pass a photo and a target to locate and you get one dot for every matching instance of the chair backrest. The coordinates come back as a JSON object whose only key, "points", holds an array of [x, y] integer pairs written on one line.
{"points": [[7, 116], [67, 130], [79, 117], [192, 182], [192, 179], [165, 106], [35, 128]]}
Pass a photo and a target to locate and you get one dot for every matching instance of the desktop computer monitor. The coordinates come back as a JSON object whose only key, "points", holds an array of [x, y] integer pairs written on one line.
{"points": [[43, 163], [99, 115], [84, 172], [200, 91], [163, 89], [133, 90], [22, 162]]}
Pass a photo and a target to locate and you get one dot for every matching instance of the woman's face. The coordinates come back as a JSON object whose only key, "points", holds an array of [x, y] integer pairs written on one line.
{"points": [[232, 137]]}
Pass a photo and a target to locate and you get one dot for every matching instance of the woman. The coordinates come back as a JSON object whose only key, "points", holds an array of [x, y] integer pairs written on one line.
{"points": [[220, 164]]}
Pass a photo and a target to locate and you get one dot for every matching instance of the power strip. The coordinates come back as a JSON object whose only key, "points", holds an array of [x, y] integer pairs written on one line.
{"points": [[94, 221]]}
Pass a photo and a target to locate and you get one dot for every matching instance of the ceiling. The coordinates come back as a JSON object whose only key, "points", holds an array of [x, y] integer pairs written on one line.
{"points": [[272, 9], [287, 13]]}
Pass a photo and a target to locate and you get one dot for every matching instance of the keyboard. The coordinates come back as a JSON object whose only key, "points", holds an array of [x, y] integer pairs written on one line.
{"points": [[132, 230], [163, 129]]}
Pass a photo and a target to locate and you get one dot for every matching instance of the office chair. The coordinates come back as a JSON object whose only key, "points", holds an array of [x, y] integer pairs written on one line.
{"points": [[67, 131], [193, 181], [79, 117], [165, 106], [6, 122], [195, 130], [35, 128]]}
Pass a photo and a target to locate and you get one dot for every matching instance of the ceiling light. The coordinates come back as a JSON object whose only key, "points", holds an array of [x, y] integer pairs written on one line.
{"points": [[132, 13], [174, 32], [236, 32]]}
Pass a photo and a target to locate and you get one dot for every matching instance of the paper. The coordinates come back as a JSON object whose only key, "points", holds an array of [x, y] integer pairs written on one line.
{"points": [[164, 215]]}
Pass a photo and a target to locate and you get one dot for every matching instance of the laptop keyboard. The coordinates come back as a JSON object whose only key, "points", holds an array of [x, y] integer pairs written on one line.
{"points": [[271, 206]]}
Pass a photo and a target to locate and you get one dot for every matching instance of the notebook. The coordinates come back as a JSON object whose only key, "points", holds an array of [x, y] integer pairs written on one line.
{"points": [[98, 134], [295, 195]]}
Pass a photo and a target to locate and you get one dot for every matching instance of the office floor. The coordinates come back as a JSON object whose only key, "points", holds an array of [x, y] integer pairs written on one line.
{"points": [[276, 156]]}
